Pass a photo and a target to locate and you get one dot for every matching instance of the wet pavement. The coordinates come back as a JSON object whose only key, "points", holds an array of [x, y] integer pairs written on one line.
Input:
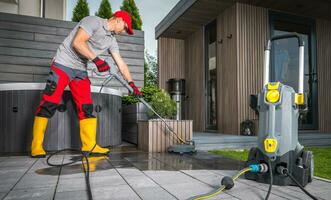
{"points": [[131, 174]]}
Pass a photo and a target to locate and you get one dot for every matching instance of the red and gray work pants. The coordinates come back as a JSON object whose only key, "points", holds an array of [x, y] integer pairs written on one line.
{"points": [[59, 78]]}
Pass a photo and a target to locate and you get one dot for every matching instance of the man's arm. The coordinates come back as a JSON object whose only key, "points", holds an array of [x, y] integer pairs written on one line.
{"points": [[122, 66], [79, 43]]}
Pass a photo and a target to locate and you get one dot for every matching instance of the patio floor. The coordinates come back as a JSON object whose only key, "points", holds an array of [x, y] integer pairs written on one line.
{"points": [[132, 174]]}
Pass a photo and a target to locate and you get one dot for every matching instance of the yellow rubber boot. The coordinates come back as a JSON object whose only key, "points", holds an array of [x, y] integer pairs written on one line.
{"points": [[88, 134], [39, 128]]}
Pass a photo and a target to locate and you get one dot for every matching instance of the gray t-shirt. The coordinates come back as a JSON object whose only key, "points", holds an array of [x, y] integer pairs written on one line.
{"points": [[101, 40]]}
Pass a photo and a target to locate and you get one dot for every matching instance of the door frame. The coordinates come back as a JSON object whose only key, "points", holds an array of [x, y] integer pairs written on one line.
{"points": [[207, 27]]}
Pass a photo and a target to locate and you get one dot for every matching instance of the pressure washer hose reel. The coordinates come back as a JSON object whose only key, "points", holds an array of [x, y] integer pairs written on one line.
{"points": [[279, 107]]}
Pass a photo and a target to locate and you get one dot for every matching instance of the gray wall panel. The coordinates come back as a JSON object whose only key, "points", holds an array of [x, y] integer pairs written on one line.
{"points": [[29, 43], [36, 20], [16, 35], [4, 42], [11, 51]]}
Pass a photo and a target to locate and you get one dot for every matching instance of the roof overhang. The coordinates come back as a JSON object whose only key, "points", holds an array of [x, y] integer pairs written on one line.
{"points": [[190, 15]]}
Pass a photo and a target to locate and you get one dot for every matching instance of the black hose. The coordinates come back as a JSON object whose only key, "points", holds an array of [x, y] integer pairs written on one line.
{"points": [[271, 180], [300, 186], [86, 171]]}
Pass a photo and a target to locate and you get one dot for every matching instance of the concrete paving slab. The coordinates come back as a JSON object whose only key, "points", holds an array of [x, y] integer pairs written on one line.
{"points": [[144, 186], [240, 190], [33, 180], [10, 172], [169, 177], [77, 184], [2, 194], [190, 189], [33, 194], [286, 192], [205, 176], [41, 163], [18, 161], [180, 185], [152, 193], [72, 195], [116, 192], [136, 175], [7, 184]]}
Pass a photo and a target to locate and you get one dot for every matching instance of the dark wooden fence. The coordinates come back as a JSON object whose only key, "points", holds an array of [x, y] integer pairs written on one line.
{"points": [[27, 45]]}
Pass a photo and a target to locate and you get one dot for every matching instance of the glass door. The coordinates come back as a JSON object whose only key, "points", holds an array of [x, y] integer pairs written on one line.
{"points": [[211, 76], [285, 60]]}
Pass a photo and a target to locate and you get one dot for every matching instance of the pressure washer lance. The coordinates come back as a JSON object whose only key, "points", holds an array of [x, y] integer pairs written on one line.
{"points": [[112, 75], [228, 182]]}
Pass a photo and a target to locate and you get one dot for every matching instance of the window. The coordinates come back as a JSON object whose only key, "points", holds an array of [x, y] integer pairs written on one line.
{"points": [[285, 60]]}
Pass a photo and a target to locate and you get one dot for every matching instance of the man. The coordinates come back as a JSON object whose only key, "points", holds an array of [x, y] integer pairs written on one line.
{"points": [[91, 37]]}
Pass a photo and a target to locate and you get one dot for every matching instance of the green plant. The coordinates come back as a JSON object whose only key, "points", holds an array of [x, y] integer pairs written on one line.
{"points": [[150, 69], [129, 99], [80, 11], [130, 7], [159, 99], [148, 92], [104, 10], [163, 105]]}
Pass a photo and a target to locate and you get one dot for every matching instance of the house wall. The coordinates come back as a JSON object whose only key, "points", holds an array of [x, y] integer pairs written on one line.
{"points": [[182, 59], [28, 44], [242, 31], [252, 34], [323, 36], [171, 55], [54, 9], [227, 84], [8, 7], [195, 79]]}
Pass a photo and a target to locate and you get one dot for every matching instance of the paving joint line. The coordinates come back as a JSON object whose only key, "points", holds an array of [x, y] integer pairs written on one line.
{"points": [[155, 182], [58, 179], [123, 178], [20, 178], [196, 178]]}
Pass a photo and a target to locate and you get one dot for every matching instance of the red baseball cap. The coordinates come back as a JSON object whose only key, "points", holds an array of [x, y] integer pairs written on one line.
{"points": [[126, 18]]}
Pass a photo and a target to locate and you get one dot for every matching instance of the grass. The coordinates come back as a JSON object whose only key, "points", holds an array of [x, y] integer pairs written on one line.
{"points": [[322, 158]]}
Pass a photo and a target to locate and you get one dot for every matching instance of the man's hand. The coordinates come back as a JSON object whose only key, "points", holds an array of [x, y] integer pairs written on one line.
{"points": [[101, 64], [136, 91]]}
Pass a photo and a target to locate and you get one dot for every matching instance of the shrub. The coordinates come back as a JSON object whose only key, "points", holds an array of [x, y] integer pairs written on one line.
{"points": [[104, 10], [163, 105], [160, 100], [130, 7], [80, 11]]}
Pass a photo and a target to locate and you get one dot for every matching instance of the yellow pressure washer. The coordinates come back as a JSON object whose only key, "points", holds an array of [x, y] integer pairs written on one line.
{"points": [[279, 158]]}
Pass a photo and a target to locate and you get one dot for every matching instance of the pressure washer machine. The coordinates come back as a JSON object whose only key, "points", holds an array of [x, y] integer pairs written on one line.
{"points": [[278, 147]]}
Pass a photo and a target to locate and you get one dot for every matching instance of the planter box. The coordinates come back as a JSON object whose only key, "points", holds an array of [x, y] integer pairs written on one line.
{"points": [[153, 135], [131, 114]]}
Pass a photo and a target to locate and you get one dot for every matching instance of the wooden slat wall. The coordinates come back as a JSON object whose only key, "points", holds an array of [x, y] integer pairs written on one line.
{"points": [[171, 57], [27, 45], [323, 33], [252, 29], [195, 79], [154, 137], [227, 87]]}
